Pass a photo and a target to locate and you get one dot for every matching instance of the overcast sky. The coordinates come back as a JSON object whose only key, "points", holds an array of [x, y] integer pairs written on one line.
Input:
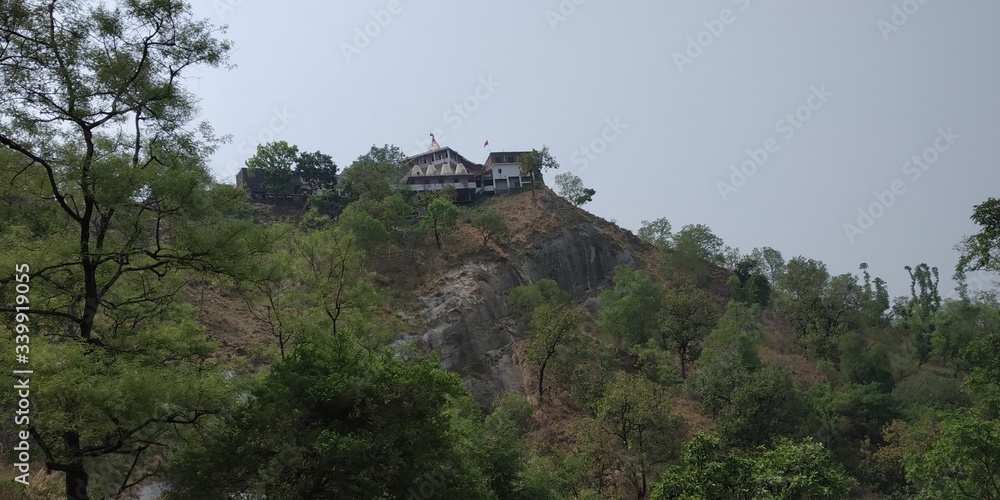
{"points": [[657, 105]]}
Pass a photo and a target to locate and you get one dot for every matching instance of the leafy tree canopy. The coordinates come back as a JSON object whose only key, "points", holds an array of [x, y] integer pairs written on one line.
{"points": [[362, 425], [982, 250], [95, 122], [630, 311], [789, 469], [656, 232], [492, 224], [571, 187], [533, 163], [441, 218], [277, 163]]}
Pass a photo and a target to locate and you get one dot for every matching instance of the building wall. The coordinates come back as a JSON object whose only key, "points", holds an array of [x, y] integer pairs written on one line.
{"points": [[508, 176]]}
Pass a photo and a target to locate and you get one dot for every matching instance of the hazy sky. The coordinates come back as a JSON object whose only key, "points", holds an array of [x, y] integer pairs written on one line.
{"points": [[656, 105]]}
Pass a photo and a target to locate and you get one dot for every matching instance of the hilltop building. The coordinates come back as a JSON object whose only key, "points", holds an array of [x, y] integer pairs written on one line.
{"points": [[439, 167], [432, 170], [502, 172], [293, 193]]}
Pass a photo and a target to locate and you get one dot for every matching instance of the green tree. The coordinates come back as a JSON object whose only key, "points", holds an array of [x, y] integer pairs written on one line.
{"points": [[395, 215], [597, 459], [375, 174], [525, 298], [656, 233], [694, 249], [492, 224], [689, 315], [367, 181], [498, 448], [819, 307], [533, 163], [848, 415], [552, 328], [364, 424], [441, 218], [982, 250], [274, 163], [629, 311], [962, 461], [387, 154], [271, 293], [637, 412], [278, 163], [326, 204], [863, 365], [767, 406], [803, 288], [316, 170], [791, 469], [369, 233], [338, 294], [958, 323], [92, 102], [748, 283], [875, 300], [571, 187], [699, 240], [770, 261], [729, 357], [424, 198], [983, 356], [916, 314]]}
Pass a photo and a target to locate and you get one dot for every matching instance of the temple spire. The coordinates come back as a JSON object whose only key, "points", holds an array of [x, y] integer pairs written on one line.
{"points": [[434, 144]]}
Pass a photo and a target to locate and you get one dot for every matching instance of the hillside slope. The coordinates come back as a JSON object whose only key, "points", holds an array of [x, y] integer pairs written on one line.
{"points": [[459, 311]]}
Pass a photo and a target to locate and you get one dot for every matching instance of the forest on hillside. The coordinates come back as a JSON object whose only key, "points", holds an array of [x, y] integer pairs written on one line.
{"points": [[700, 372]]}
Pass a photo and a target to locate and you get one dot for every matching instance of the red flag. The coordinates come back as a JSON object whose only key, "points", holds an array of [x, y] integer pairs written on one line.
{"points": [[487, 143]]}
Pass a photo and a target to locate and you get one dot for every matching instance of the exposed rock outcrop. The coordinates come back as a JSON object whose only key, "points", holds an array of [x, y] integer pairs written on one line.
{"points": [[464, 318]]}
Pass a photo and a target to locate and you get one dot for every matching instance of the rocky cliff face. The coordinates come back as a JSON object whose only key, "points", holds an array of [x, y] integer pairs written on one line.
{"points": [[465, 320]]}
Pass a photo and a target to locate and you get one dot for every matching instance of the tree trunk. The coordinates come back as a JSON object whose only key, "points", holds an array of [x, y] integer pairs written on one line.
{"points": [[77, 479], [437, 239], [644, 487], [77, 483], [683, 354], [541, 377]]}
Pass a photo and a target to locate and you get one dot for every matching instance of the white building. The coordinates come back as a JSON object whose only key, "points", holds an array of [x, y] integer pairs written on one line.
{"points": [[439, 167]]}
